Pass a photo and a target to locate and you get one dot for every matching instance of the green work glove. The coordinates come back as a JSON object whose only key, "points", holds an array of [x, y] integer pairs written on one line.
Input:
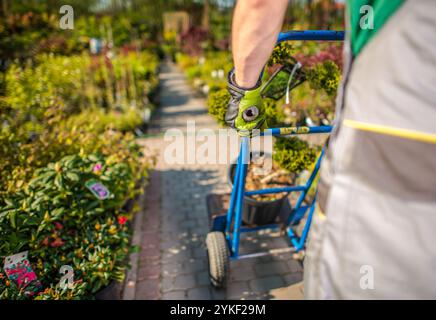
{"points": [[245, 111]]}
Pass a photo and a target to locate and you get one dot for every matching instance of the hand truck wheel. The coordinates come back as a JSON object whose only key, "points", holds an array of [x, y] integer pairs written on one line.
{"points": [[218, 258]]}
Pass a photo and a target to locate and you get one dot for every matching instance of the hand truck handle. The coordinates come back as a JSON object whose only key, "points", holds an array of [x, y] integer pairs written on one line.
{"points": [[311, 35]]}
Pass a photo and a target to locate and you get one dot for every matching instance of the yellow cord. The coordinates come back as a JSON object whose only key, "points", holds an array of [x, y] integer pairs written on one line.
{"points": [[392, 131]]}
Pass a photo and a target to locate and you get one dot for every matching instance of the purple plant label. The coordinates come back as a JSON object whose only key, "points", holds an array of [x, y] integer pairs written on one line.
{"points": [[98, 189], [19, 270]]}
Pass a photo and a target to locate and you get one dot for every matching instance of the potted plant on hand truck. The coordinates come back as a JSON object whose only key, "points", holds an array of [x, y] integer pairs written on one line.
{"points": [[291, 156], [223, 240]]}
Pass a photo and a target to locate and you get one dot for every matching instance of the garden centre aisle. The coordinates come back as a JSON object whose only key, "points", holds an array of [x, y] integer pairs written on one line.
{"points": [[172, 262]]}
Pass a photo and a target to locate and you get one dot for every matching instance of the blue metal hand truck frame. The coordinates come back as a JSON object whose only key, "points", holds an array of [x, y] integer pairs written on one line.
{"points": [[224, 239]]}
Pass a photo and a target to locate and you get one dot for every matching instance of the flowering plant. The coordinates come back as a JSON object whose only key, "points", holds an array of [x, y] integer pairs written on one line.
{"points": [[60, 222]]}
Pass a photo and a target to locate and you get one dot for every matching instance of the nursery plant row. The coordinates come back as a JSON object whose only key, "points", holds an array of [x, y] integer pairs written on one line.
{"points": [[69, 163]]}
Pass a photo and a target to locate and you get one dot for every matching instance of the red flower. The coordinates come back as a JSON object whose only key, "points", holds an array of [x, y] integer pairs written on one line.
{"points": [[58, 226], [122, 220], [57, 243], [45, 241]]}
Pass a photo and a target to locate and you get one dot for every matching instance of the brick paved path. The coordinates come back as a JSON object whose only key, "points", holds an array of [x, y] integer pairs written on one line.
{"points": [[172, 261]]}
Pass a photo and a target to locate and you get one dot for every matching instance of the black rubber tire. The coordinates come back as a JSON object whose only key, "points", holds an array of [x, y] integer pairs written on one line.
{"points": [[218, 258]]}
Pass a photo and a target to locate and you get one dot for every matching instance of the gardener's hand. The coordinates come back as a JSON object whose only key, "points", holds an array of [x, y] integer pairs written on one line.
{"points": [[245, 111]]}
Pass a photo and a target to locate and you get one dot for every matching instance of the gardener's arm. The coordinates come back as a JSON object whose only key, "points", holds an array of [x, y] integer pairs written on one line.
{"points": [[256, 25]]}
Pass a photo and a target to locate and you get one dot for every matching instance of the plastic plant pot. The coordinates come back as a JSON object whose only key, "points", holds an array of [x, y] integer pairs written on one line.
{"points": [[256, 212]]}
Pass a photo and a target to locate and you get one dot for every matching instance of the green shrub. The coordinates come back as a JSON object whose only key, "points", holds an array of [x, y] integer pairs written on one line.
{"points": [[30, 91], [49, 110], [282, 54], [206, 68], [325, 76], [193, 72], [60, 222], [186, 61], [293, 154], [101, 120], [64, 120], [77, 82], [217, 103], [273, 112], [86, 133], [321, 74], [32, 200]]}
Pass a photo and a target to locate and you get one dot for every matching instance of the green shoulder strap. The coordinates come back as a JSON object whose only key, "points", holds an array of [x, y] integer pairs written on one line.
{"points": [[383, 10]]}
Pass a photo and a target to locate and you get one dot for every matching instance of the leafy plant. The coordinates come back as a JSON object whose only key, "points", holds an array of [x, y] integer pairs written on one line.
{"points": [[293, 155], [77, 82], [274, 113], [51, 109], [325, 76], [186, 61], [101, 120], [193, 40], [218, 102], [282, 54], [208, 71], [21, 157], [60, 222]]}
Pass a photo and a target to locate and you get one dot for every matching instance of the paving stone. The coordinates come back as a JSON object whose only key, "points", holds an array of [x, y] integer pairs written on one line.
{"points": [[167, 283], [151, 254], [149, 271], [218, 294], [202, 278], [148, 289], [237, 290], [184, 281], [242, 273], [188, 224], [271, 268], [202, 293], [172, 268], [170, 227], [266, 284], [293, 278], [174, 295], [169, 245], [176, 255], [294, 266], [196, 240], [203, 220], [150, 240], [200, 231], [258, 296], [195, 265], [199, 253], [194, 214]]}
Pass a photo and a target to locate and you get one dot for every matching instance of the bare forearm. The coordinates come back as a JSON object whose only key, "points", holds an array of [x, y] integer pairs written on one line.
{"points": [[256, 25]]}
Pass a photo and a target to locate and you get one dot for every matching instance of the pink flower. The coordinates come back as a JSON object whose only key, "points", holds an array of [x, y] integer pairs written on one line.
{"points": [[57, 243], [122, 220], [97, 167]]}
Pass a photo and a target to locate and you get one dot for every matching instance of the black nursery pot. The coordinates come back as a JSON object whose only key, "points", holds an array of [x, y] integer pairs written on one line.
{"points": [[261, 212]]}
